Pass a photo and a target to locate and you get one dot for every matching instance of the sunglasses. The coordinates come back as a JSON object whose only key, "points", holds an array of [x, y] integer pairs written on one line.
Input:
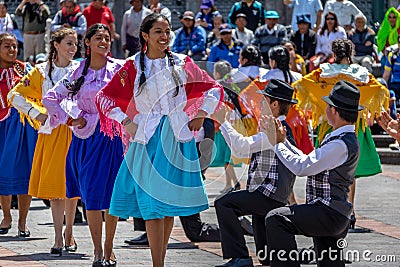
{"points": [[226, 33], [330, 19], [392, 17]]}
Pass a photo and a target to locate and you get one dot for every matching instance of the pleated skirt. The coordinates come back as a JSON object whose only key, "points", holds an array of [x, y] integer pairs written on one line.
{"points": [[48, 179], [17, 145], [92, 166], [158, 179]]}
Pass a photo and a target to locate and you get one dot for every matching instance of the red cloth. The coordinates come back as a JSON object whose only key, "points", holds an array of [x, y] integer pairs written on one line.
{"points": [[102, 15], [4, 89], [119, 92], [298, 125]]}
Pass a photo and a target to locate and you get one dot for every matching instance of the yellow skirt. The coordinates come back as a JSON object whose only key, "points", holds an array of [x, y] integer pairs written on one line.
{"points": [[47, 179]]}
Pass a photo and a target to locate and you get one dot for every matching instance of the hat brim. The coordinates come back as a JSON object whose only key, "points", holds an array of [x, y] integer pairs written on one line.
{"points": [[188, 17], [205, 7], [293, 101], [272, 17], [329, 102]]}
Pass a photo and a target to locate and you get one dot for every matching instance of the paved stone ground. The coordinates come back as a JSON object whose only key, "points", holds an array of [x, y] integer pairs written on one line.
{"points": [[377, 207]]}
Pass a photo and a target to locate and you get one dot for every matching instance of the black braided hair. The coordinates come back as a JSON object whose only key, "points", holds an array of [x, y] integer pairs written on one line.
{"points": [[252, 54], [145, 27], [281, 56], [76, 85], [343, 49], [57, 37]]}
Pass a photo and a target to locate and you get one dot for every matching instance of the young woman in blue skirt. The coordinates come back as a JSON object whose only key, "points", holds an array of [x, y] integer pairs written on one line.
{"points": [[93, 159], [160, 98], [17, 141]]}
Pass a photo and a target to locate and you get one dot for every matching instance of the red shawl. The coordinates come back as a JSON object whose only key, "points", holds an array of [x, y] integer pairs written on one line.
{"points": [[119, 92]]}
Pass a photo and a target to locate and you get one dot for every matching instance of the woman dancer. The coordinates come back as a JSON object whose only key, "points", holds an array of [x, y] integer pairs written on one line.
{"points": [[93, 159], [47, 179], [160, 177], [17, 141]]}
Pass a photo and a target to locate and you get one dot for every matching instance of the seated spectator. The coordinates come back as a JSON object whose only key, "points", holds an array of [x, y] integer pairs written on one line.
{"points": [[304, 38], [214, 36], [156, 7], [296, 62], [363, 39], [387, 34], [254, 11], [130, 28], [6, 23], [270, 34], [250, 61], [327, 34], [206, 14], [345, 11], [311, 7], [392, 71], [241, 33], [70, 17], [190, 39], [226, 49]]}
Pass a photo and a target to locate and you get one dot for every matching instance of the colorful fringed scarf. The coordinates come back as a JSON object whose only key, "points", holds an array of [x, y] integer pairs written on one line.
{"points": [[8, 79], [312, 87]]}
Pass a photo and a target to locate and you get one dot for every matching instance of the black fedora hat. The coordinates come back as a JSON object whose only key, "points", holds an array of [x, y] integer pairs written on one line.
{"points": [[344, 95], [279, 90]]}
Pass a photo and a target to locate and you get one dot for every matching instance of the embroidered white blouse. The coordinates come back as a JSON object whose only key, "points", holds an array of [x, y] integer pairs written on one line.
{"points": [[157, 99]]}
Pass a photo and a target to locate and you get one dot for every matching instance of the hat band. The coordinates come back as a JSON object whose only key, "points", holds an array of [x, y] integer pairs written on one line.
{"points": [[344, 102]]}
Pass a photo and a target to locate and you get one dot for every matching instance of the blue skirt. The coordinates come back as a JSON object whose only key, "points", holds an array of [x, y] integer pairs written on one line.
{"points": [[158, 179], [92, 165], [17, 145]]}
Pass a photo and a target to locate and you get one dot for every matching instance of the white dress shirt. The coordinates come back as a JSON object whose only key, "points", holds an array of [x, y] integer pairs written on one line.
{"points": [[244, 146], [327, 157]]}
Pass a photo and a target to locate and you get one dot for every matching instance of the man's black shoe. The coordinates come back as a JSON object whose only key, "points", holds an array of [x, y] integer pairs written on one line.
{"points": [[140, 240]]}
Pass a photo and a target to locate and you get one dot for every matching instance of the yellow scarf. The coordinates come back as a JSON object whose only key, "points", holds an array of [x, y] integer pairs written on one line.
{"points": [[30, 87], [311, 88]]}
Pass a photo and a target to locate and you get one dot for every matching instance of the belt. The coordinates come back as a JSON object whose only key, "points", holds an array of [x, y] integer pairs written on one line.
{"points": [[38, 32]]}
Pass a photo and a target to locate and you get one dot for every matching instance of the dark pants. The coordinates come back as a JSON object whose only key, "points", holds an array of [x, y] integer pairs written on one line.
{"points": [[319, 221], [240, 203], [132, 45]]}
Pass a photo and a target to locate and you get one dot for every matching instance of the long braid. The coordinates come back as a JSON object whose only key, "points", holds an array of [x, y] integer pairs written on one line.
{"points": [[175, 75], [142, 80], [76, 85], [52, 55]]}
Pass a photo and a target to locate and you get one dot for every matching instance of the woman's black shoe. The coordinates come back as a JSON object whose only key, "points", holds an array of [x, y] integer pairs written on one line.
{"points": [[4, 230], [352, 221], [72, 248], [56, 252], [24, 233], [98, 263], [236, 187], [110, 263]]}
